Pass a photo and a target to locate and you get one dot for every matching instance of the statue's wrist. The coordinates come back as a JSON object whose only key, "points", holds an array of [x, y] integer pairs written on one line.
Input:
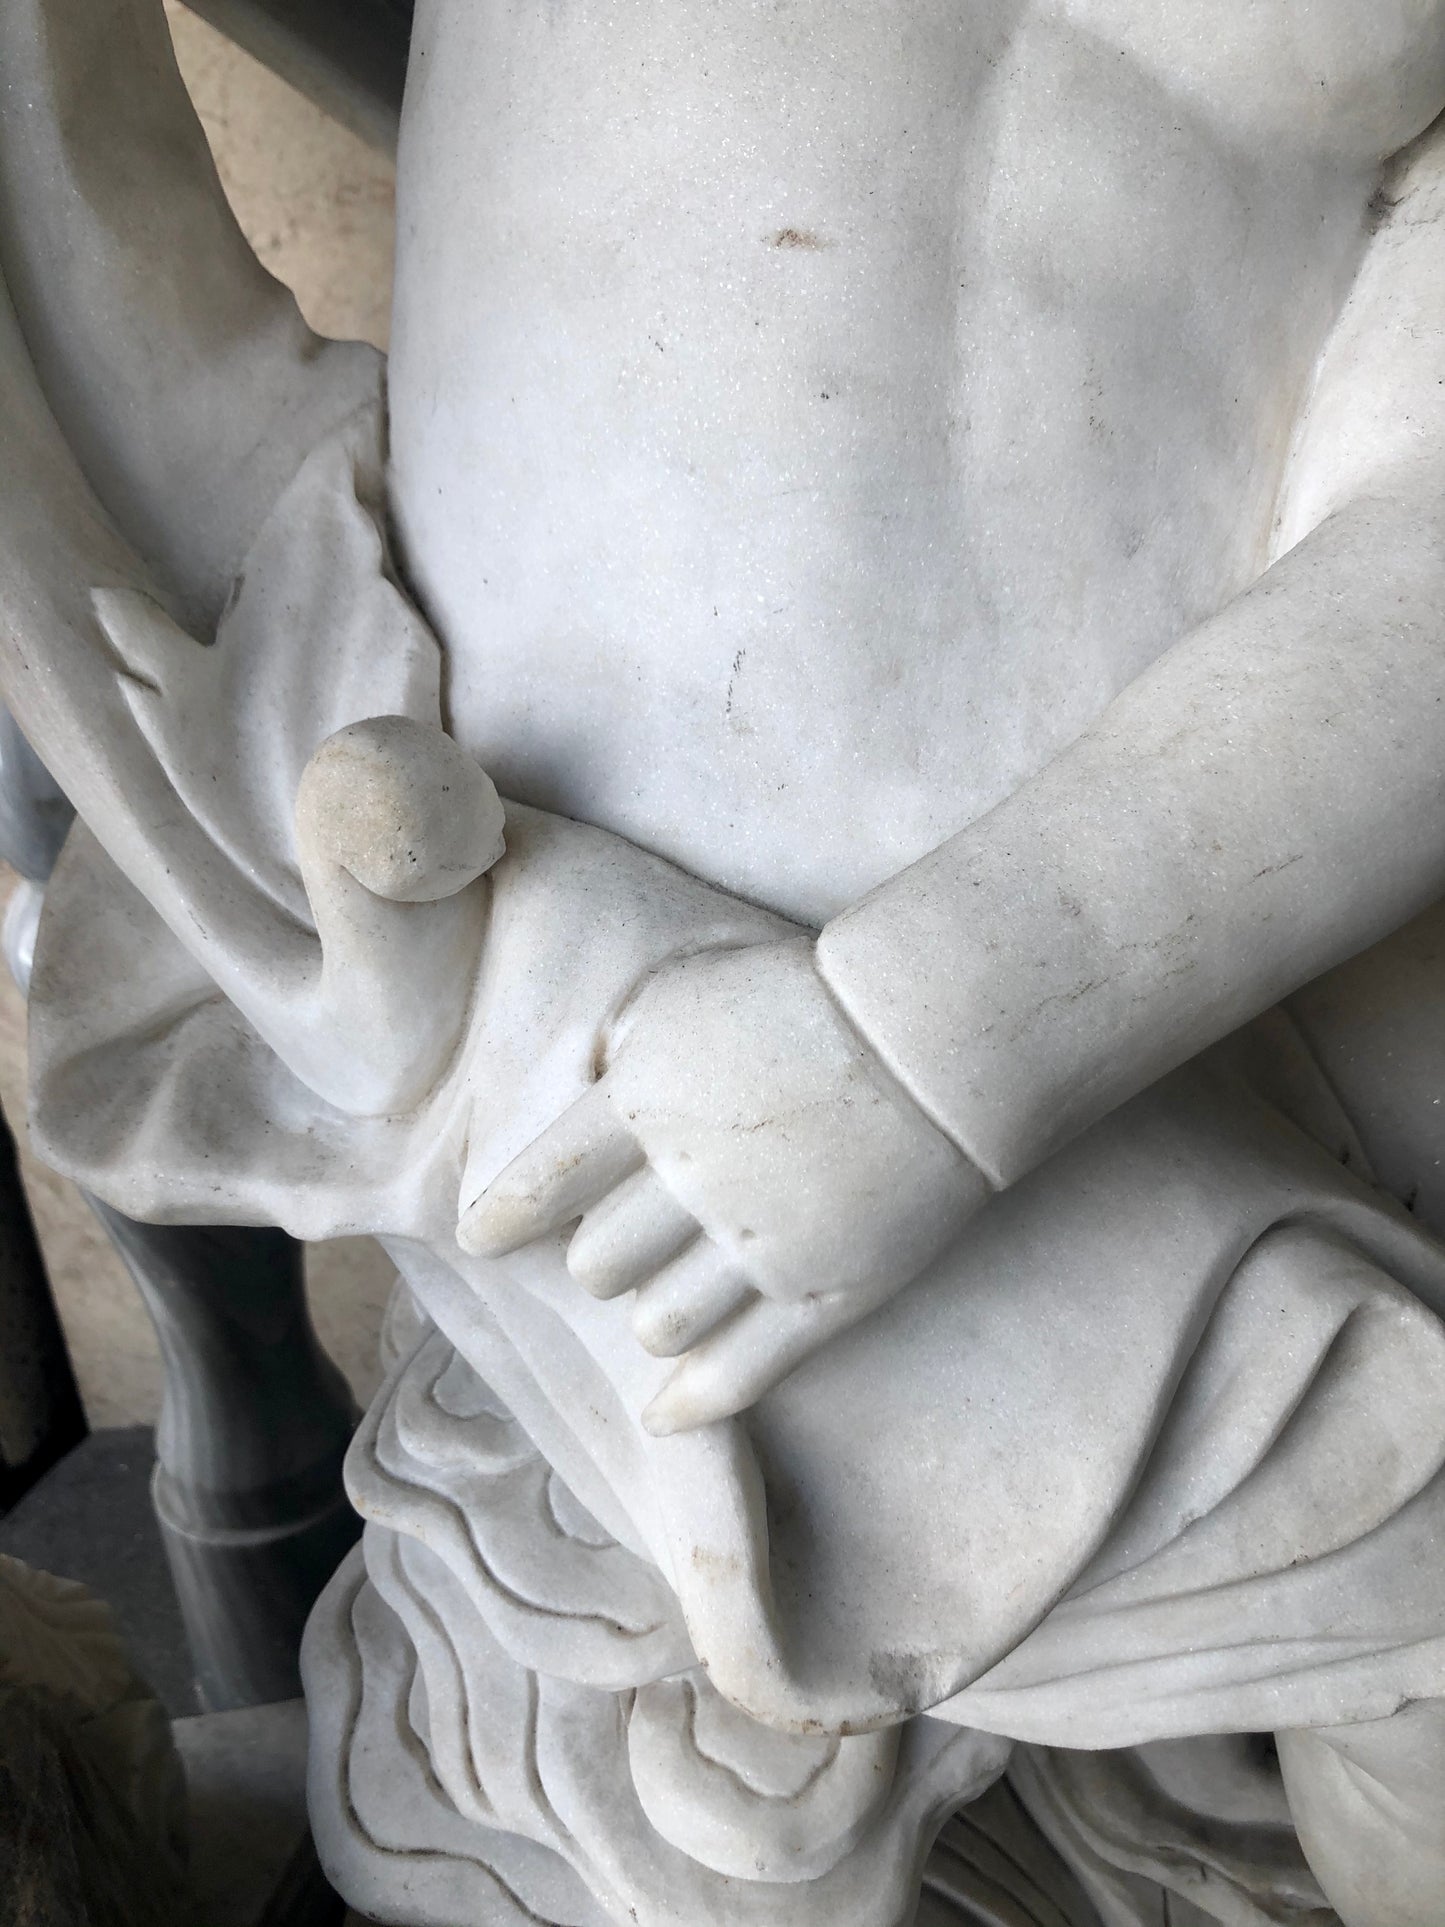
{"points": [[864, 1004]]}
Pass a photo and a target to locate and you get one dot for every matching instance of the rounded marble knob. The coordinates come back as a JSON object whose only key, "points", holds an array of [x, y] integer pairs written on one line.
{"points": [[402, 808]]}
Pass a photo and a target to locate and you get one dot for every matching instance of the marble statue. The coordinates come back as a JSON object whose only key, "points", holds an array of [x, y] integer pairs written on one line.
{"points": [[825, 806]]}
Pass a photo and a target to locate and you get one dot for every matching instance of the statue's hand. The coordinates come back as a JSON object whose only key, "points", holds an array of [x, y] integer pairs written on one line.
{"points": [[747, 1165]]}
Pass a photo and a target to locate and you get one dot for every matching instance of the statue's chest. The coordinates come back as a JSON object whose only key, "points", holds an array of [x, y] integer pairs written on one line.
{"points": [[850, 100], [1352, 79]]}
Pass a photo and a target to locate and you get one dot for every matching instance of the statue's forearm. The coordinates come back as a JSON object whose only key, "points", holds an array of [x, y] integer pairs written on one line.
{"points": [[1265, 801]]}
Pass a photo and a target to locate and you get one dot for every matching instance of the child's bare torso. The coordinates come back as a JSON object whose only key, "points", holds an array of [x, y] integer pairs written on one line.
{"points": [[800, 434]]}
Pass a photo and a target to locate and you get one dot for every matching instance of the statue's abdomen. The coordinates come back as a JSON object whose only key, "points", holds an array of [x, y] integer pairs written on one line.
{"points": [[806, 418]]}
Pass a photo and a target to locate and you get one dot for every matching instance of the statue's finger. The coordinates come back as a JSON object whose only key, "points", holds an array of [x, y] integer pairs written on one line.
{"points": [[688, 1299], [574, 1162], [631, 1233], [744, 1358]]}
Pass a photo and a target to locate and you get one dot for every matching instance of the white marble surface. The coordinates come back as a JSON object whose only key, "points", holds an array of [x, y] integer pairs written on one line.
{"points": [[317, 206], [970, 482]]}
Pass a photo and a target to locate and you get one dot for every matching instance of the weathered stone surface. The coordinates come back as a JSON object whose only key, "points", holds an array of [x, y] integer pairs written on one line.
{"points": [[920, 1143]]}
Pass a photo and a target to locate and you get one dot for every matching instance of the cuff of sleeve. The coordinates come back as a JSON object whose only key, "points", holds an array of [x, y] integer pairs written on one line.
{"points": [[978, 983]]}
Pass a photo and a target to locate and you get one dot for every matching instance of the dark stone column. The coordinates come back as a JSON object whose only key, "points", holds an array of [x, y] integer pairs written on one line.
{"points": [[41, 1417], [254, 1424]]}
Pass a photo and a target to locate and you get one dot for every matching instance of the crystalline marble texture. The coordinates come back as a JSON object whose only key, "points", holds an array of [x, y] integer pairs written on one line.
{"points": [[823, 806]]}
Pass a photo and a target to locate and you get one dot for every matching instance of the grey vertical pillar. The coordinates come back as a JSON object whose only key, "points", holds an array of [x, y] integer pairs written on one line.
{"points": [[255, 1418], [34, 815], [254, 1423], [40, 1411]]}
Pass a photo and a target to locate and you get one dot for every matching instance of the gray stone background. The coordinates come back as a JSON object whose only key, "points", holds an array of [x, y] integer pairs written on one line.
{"points": [[317, 205]]}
